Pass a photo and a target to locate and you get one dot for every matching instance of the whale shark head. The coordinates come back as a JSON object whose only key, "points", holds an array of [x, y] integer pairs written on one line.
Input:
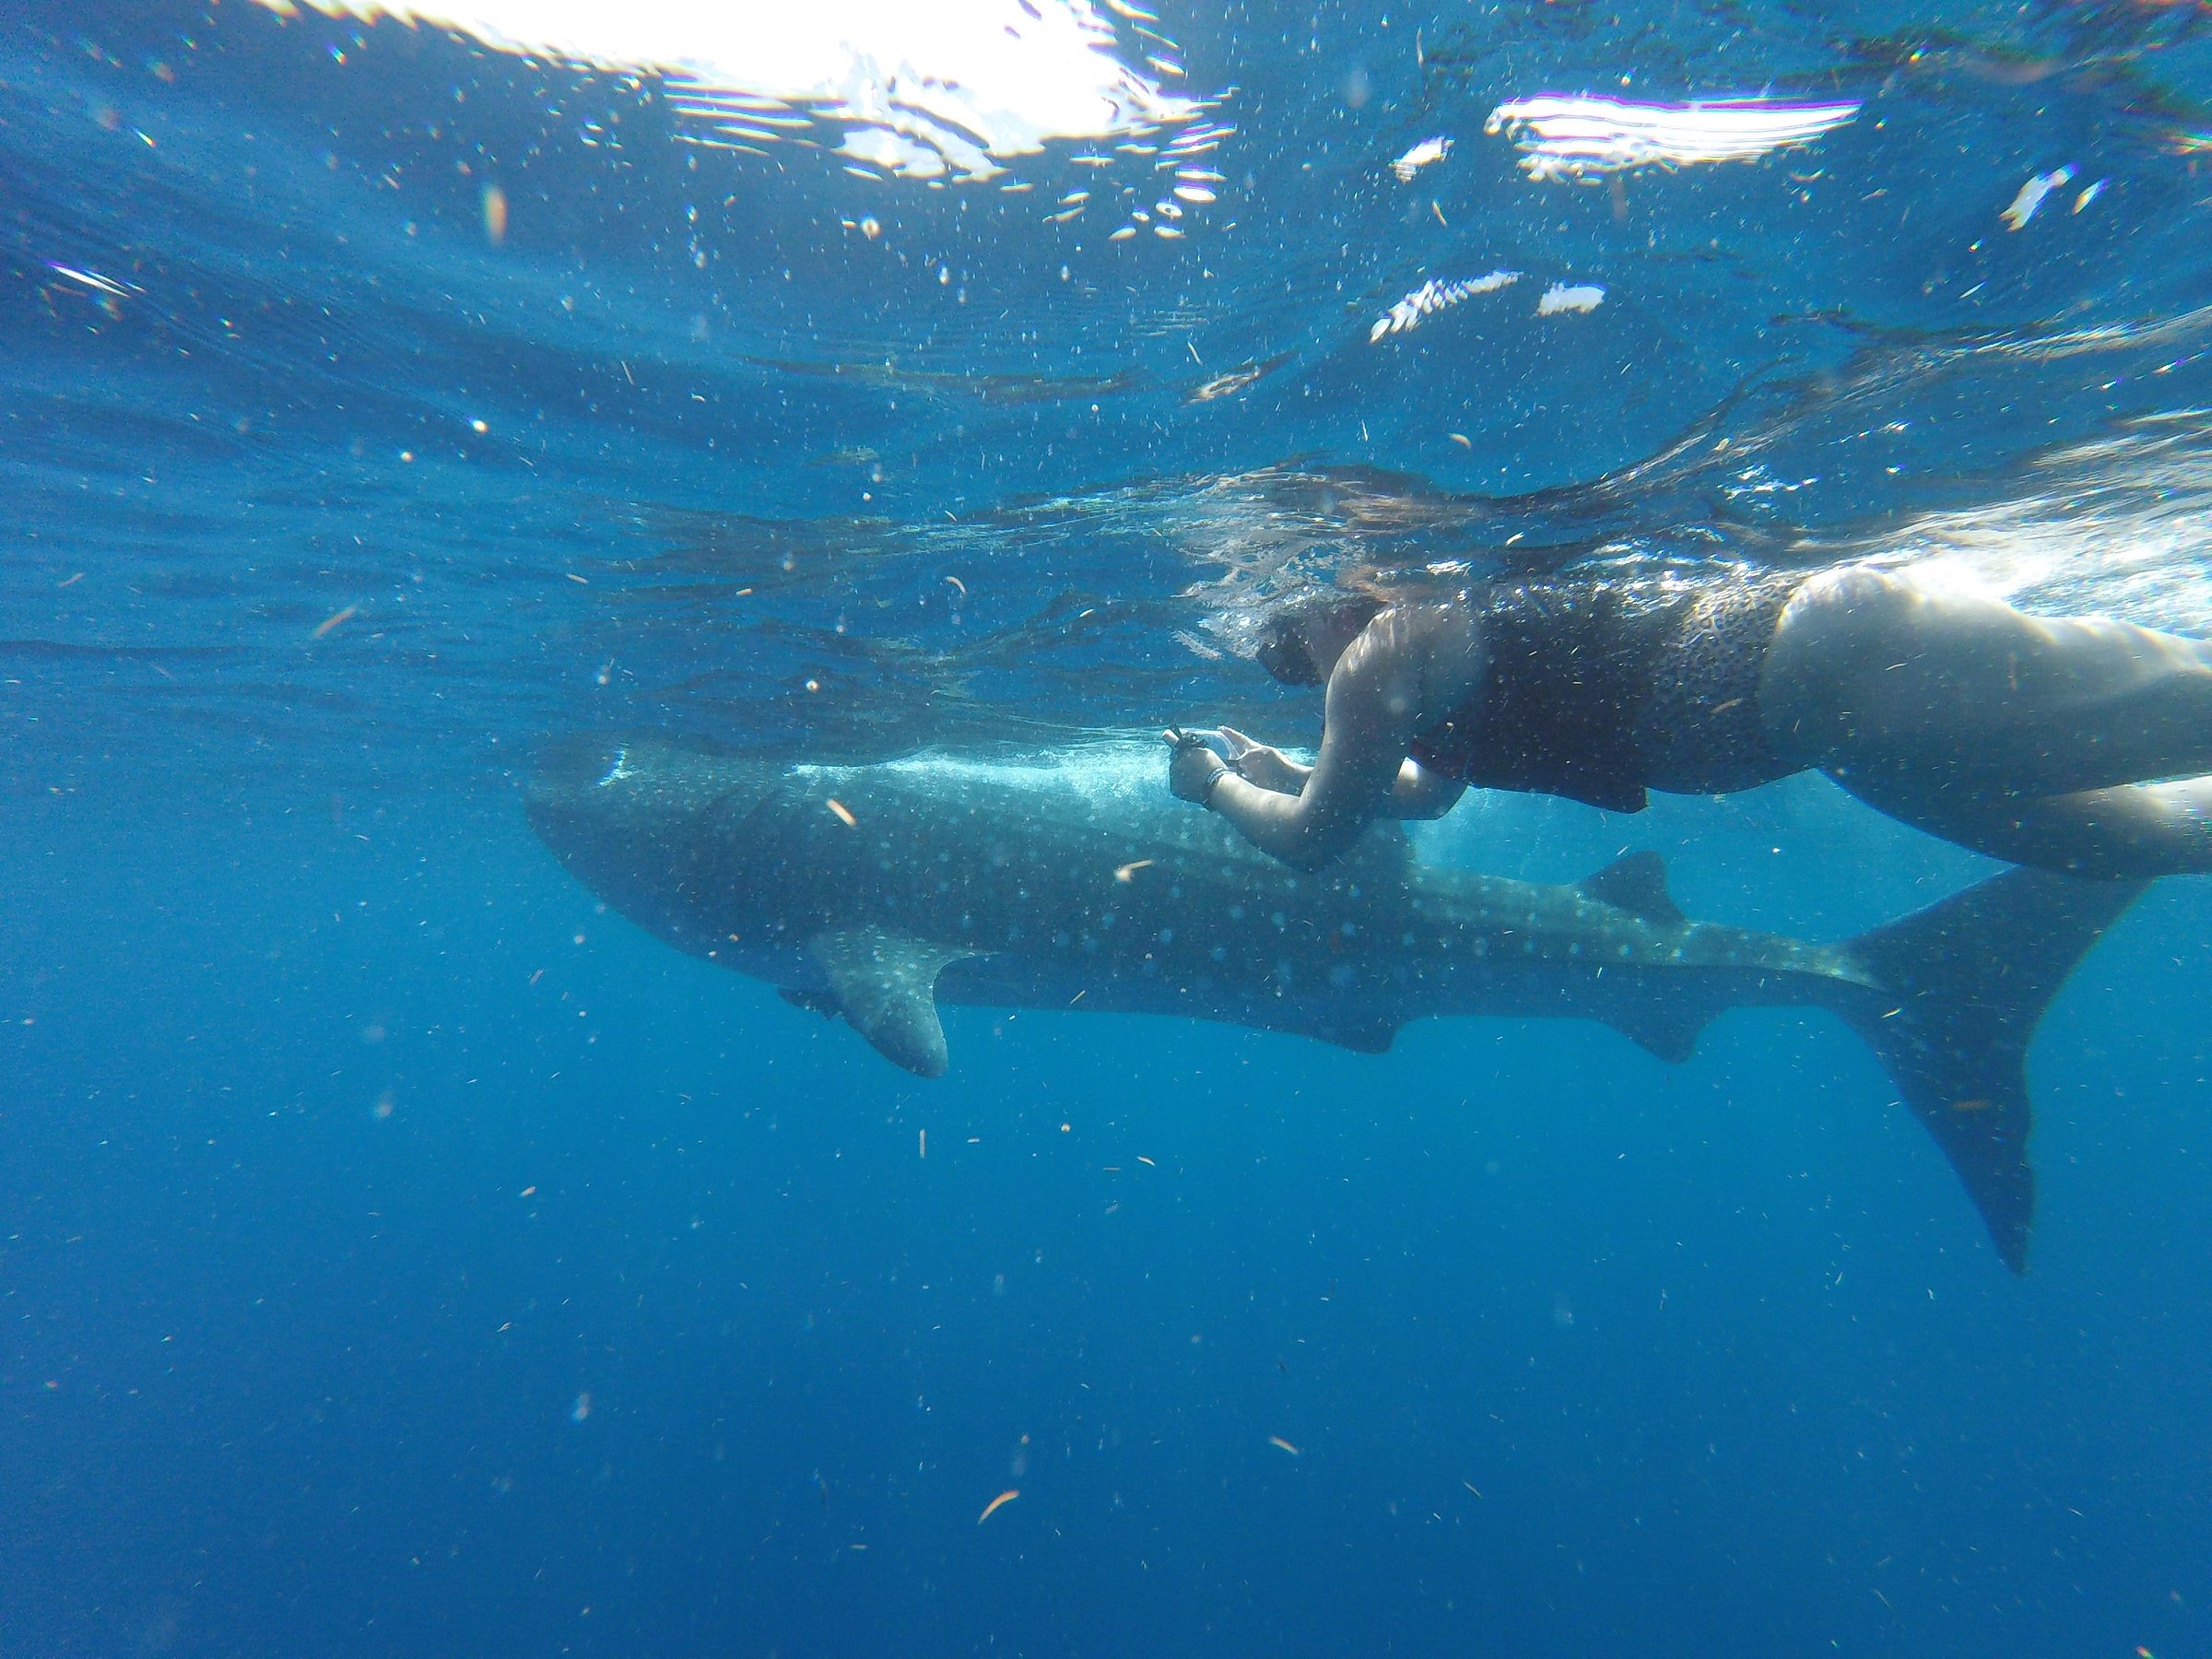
{"points": [[620, 814]]}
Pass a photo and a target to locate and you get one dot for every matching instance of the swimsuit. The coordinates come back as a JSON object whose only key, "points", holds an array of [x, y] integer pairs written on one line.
{"points": [[1598, 687]]}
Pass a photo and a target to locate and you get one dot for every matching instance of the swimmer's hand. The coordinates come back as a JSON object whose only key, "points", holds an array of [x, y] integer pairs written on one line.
{"points": [[1193, 767], [1268, 767]]}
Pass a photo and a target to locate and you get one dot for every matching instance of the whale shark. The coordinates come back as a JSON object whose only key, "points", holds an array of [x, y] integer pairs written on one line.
{"points": [[873, 892]]}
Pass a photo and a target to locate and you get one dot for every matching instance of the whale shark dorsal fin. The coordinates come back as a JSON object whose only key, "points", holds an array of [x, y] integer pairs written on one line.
{"points": [[884, 984], [1635, 883]]}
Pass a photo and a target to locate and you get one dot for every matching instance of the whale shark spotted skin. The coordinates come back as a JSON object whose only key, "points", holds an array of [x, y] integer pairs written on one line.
{"points": [[873, 892]]}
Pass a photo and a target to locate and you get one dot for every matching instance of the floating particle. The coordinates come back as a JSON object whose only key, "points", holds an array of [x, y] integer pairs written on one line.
{"points": [[1194, 193], [1425, 153], [2090, 194], [1128, 871], [1124, 234], [1973, 1105], [495, 215], [843, 813], [993, 1506], [1148, 1162], [1461, 439], [1277, 1440], [921, 1143], [870, 228], [1168, 231], [335, 620], [581, 1408]]}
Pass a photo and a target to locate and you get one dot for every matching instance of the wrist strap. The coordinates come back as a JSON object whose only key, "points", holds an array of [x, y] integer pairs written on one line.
{"points": [[1213, 781]]}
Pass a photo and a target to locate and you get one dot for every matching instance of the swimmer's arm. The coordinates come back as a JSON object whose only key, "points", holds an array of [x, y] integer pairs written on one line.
{"points": [[1372, 702], [1414, 794], [1417, 792]]}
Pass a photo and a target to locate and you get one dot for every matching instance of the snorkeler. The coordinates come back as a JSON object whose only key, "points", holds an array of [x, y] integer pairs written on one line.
{"points": [[2080, 745]]}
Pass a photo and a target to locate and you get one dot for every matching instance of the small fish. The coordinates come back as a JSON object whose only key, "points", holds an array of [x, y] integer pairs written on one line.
{"points": [[1424, 154], [94, 280], [843, 812], [1126, 872], [1233, 380], [1277, 1440], [2032, 194], [992, 1508], [1561, 296]]}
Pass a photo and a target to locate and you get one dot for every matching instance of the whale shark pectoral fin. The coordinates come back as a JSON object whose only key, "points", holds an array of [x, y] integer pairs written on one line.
{"points": [[1667, 1033], [1372, 1036], [1636, 884], [885, 985]]}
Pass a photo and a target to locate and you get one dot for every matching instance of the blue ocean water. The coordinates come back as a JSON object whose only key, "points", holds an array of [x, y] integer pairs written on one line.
{"points": [[400, 1252]]}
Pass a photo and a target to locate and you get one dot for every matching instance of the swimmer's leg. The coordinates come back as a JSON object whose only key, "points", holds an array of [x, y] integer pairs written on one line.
{"points": [[2134, 831], [1872, 676]]}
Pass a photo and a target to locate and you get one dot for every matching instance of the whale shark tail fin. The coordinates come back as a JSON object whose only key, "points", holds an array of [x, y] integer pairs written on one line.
{"points": [[1960, 989]]}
